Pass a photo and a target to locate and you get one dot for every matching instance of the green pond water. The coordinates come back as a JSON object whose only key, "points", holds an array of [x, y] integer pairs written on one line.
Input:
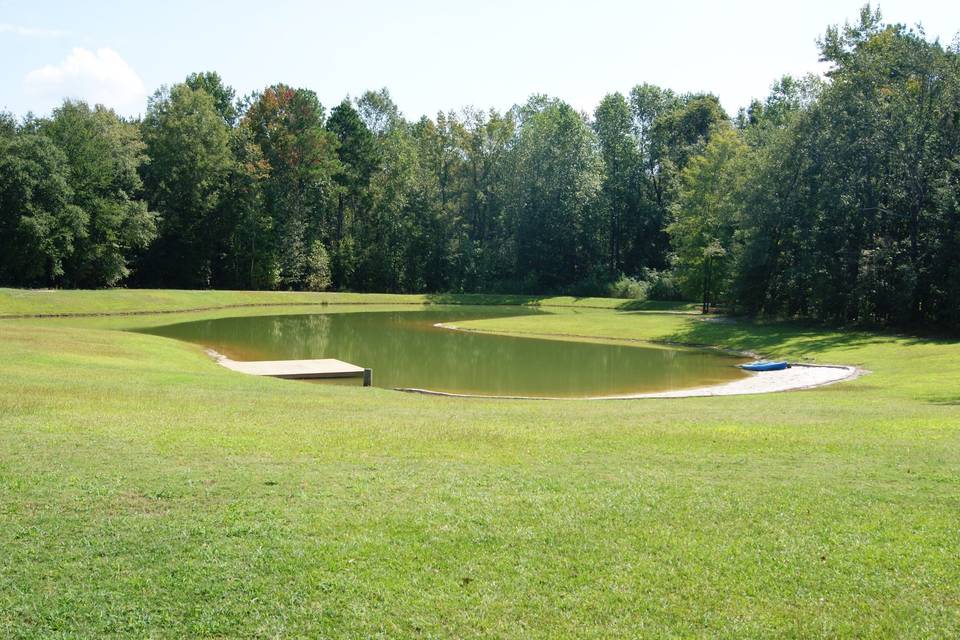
{"points": [[405, 349]]}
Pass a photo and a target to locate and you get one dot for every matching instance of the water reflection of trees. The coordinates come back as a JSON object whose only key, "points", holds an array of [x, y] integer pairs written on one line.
{"points": [[300, 335]]}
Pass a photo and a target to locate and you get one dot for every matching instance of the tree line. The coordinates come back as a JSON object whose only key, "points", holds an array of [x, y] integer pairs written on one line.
{"points": [[835, 198]]}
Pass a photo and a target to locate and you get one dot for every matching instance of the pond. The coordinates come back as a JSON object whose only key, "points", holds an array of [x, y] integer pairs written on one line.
{"points": [[406, 350]]}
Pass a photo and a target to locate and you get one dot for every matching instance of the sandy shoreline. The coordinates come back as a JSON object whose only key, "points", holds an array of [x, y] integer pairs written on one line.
{"points": [[799, 376]]}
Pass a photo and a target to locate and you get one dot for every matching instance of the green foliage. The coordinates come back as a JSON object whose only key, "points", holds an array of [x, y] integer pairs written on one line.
{"points": [[629, 288], [359, 156], [379, 112], [486, 244], [190, 161], [224, 97], [8, 125], [851, 215], [249, 259], [706, 216], [288, 125], [684, 131], [667, 129], [105, 155], [622, 159], [661, 285], [69, 207], [380, 237], [536, 199], [318, 268], [39, 224], [788, 96], [553, 195]]}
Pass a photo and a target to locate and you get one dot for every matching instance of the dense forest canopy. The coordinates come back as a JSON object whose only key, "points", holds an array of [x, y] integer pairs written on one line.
{"points": [[835, 198]]}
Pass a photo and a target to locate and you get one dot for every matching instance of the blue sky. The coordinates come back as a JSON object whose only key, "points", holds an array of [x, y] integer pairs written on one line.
{"points": [[432, 55]]}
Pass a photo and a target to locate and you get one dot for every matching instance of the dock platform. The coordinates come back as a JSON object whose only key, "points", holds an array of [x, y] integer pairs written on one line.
{"points": [[299, 369]]}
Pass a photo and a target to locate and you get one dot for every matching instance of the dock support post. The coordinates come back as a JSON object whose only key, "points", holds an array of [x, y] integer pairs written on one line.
{"points": [[367, 377]]}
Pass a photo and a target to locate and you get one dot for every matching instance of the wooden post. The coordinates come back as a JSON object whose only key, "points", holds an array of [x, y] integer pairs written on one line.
{"points": [[368, 377]]}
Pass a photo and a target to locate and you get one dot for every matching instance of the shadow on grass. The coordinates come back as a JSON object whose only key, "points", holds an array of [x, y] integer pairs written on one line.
{"points": [[659, 305], [796, 338], [485, 299], [765, 337], [774, 338], [585, 301]]}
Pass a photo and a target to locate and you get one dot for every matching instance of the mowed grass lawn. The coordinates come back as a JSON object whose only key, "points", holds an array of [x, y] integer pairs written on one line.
{"points": [[147, 492]]}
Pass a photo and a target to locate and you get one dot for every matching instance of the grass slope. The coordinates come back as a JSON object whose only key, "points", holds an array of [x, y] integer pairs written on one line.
{"points": [[147, 492], [53, 302]]}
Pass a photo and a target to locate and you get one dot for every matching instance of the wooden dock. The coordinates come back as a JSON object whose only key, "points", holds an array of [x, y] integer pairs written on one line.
{"points": [[299, 369]]}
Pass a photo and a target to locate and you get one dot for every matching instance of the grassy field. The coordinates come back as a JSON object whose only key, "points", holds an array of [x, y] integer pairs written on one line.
{"points": [[147, 492], [46, 302]]}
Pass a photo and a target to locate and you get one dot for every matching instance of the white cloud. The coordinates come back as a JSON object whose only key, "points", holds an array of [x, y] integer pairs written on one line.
{"points": [[30, 32], [99, 77]]}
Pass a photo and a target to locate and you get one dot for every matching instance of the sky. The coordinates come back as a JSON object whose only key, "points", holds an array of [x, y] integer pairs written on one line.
{"points": [[432, 55]]}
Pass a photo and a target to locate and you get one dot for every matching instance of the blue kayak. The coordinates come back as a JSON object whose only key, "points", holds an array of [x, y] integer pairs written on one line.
{"points": [[765, 365]]}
